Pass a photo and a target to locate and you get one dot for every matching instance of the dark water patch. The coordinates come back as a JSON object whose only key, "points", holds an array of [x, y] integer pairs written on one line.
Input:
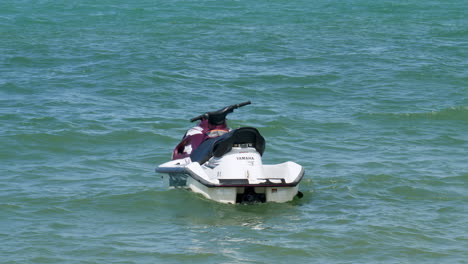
{"points": [[453, 33]]}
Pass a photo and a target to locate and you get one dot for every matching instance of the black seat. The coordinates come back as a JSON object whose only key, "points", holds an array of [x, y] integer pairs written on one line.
{"points": [[219, 146]]}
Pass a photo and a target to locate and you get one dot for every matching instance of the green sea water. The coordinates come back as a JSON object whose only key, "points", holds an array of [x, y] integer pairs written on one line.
{"points": [[371, 97]]}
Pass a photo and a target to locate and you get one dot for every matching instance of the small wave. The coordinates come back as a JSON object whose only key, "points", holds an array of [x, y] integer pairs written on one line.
{"points": [[13, 88], [51, 211], [65, 137], [20, 60], [459, 113], [462, 179], [137, 199], [9, 206], [456, 113], [412, 193], [441, 192]]}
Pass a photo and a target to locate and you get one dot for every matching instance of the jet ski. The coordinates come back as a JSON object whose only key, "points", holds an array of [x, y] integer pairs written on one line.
{"points": [[225, 165]]}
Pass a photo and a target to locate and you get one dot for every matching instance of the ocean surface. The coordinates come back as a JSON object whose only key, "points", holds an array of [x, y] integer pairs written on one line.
{"points": [[371, 97]]}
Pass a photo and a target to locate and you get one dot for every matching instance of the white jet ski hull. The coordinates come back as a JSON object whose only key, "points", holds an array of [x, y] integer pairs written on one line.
{"points": [[237, 177]]}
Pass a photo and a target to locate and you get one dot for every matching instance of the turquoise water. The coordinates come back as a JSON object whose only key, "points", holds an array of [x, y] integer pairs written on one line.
{"points": [[370, 97]]}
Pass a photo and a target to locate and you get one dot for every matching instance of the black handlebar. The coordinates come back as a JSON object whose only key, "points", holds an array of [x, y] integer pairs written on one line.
{"points": [[243, 104], [200, 117], [219, 117]]}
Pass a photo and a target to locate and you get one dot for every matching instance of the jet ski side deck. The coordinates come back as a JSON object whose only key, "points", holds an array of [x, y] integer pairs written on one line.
{"points": [[182, 172], [281, 184]]}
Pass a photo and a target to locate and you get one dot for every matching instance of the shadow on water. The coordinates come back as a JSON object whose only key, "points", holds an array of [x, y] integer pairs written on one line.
{"points": [[186, 207]]}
